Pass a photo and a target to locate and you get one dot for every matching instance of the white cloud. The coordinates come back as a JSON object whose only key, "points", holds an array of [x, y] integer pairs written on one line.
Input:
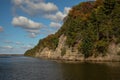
{"points": [[39, 8], [17, 2], [6, 47], [33, 28], [59, 16], [25, 23], [66, 10], [33, 31], [35, 7], [1, 28], [55, 25]]}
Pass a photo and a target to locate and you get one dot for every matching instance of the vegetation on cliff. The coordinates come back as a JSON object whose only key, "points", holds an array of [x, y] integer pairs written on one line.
{"points": [[90, 27]]}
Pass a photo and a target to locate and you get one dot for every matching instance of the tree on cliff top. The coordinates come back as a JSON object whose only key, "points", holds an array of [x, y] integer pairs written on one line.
{"points": [[94, 24]]}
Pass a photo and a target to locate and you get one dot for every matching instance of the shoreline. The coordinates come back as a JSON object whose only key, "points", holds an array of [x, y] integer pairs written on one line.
{"points": [[78, 60]]}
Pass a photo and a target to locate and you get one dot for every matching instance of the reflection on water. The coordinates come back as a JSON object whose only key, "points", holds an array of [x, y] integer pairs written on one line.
{"points": [[27, 68]]}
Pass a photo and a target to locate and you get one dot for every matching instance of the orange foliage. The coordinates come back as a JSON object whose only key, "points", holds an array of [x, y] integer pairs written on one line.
{"points": [[82, 10], [98, 3]]}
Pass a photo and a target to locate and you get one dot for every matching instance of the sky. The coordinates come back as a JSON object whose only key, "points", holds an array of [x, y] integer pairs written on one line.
{"points": [[24, 22]]}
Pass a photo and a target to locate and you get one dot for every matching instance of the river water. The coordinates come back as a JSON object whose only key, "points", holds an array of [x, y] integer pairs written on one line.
{"points": [[27, 68]]}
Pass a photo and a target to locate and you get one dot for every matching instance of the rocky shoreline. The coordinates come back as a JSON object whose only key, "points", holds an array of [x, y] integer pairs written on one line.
{"points": [[90, 32], [90, 59], [75, 55]]}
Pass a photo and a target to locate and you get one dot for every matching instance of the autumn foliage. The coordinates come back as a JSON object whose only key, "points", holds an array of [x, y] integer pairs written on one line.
{"points": [[90, 27]]}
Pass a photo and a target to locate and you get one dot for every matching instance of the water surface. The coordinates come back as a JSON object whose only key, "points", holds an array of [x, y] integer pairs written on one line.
{"points": [[27, 68]]}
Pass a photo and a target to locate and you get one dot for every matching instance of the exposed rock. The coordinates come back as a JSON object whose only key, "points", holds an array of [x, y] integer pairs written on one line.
{"points": [[69, 55], [73, 55], [46, 52], [91, 32]]}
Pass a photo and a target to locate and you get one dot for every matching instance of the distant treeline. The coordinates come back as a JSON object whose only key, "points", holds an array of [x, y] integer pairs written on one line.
{"points": [[11, 54]]}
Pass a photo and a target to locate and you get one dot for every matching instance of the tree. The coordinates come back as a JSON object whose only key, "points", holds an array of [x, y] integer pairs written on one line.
{"points": [[109, 6]]}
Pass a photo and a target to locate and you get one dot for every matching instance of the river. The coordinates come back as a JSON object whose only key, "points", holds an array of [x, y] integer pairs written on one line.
{"points": [[28, 68]]}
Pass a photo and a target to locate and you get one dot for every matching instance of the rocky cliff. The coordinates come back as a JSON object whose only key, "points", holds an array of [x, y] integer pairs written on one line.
{"points": [[91, 32], [63, 52]]}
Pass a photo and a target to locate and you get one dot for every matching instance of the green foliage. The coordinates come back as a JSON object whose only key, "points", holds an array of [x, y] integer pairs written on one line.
{"points": [[109, 6], [94, 24], [63, 51], [87, 46], [101, 47], [30, 52], [51, 42]]}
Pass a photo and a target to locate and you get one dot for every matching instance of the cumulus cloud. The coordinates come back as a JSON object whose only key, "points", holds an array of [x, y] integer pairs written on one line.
{"points": [[25, 23], [34, 7], [59, 16], [55, 25], [30, 26], [38, 8], [66, 10], [1, 28]]}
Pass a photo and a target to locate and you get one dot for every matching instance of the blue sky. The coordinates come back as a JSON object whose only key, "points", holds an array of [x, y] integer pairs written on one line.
{"points": [[24, 22]]}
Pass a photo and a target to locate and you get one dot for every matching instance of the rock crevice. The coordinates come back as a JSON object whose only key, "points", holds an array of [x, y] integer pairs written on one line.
{"points": [[112, 55]]}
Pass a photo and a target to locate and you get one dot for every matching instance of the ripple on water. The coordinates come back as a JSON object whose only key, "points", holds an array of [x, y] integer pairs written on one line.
{"points": [[27, 68]]}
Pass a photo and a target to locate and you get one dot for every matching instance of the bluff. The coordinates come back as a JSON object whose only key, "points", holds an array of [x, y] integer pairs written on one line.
{"points": [[91, 31]]}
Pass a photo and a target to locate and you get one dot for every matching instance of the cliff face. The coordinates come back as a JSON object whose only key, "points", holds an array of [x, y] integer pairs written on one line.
{"points": [[91, 31], [46, 52], [63, 52]]}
